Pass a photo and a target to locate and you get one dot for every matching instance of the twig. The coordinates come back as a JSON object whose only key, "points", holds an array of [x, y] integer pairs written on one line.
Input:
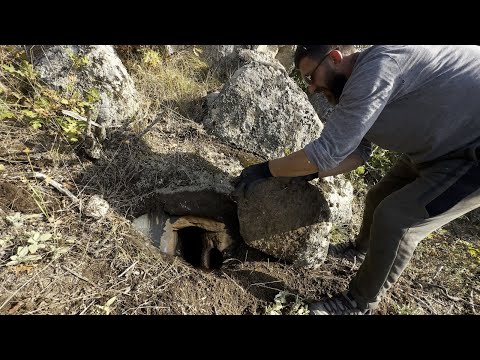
{"points": [[149, 127], [79, 276], [425, 303], [83, 297], [88, 306], [446, 293], [453, 298], [14, 161], [56, 185], [438, 271], [266, 282], [79, 117], [241, 288], [266, 287], [145, 307], [472, 304], [129, 268]]}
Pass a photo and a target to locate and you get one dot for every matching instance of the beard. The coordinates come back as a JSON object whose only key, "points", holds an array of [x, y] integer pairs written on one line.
{"points": [[335, 88]]}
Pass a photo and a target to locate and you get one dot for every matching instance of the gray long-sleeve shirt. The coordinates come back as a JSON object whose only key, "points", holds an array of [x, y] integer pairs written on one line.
{"points": [[423, 101]]}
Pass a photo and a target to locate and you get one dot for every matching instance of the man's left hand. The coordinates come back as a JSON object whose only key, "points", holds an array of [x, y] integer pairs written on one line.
{"points": [[250, 177]]}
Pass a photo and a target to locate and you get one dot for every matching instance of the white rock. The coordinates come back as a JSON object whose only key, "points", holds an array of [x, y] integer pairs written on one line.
{"points": [[96, 207]]}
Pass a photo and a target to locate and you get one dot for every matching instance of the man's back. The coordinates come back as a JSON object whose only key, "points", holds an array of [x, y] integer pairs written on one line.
{"points": [[436, 108], [423, 101]]}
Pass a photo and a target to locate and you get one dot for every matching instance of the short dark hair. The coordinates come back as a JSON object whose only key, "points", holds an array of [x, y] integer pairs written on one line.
{"points": [[319, 51]]}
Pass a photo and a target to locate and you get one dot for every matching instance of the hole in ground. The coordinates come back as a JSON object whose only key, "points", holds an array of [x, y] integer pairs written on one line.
{"points": [[195, 248], [190, 245]]}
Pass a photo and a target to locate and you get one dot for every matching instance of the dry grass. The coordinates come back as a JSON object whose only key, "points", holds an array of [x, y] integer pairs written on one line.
{"points": [[179, 82]]}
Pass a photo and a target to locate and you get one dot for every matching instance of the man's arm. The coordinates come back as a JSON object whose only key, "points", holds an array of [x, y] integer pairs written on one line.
{"points": [[294, 165], [297, 164]]}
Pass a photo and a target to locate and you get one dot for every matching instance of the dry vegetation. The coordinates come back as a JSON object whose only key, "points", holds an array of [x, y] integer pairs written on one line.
{"points": [[88, 266]]}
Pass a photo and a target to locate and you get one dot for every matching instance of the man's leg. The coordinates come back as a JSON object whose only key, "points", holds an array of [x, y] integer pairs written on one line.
{"points": [[401, 174], [443, 192]]}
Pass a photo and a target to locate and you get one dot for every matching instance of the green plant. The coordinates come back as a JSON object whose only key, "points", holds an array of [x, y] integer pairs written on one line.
{"points": [[77, 60], [408, 310], [16, 220], [379, 163], [28, 253], [297, 77], [37, 246], [473, 250], [151, 58], [31, 101], [281, 305], [105, 309], [287, 151]]}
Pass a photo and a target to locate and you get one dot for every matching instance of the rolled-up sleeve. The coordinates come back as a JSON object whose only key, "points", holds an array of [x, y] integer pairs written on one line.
{"points": [[365, 95], [364, 150]]}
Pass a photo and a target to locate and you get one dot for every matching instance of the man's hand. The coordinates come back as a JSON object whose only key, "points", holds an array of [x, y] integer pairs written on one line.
{"points": [[310, 177], [251, 176]]}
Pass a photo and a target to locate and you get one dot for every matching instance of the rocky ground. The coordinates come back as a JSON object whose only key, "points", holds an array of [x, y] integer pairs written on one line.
{"points": [[104, 266]]}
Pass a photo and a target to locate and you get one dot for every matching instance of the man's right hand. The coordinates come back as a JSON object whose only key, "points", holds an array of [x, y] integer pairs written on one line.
{"points": [[305, 177]]}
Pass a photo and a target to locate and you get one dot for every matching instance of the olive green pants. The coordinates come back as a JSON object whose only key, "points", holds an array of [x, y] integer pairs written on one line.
{"points": [[409, 202]]}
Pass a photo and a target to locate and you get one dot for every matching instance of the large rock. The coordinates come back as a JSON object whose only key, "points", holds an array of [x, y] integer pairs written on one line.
{"points": [[223, 59], [185, 183], [321, 105], [285, 56], [291, 220], [262, 110], [86, 67], [338, 192]]}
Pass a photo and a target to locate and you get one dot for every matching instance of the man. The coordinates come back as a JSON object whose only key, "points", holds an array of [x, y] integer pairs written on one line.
{"points": [[421, 101]]}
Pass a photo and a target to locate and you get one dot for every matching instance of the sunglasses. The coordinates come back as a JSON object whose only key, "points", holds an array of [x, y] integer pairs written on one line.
{"points": [[309, 78]]}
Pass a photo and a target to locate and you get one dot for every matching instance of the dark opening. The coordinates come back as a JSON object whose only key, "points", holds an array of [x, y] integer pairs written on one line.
{"points": [[190, 244], [194, 248], [214, 259]]}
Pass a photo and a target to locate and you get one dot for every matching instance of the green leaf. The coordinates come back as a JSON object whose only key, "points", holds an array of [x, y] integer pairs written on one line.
{"points": [[9, 68], [33, 248], [111, 301], [29, 113], [13, 262], [32, 257], [6, 115], [45, 237], [360, 170], [35, 235], [22, 251], [36, 124], [16, 94], [84, 104]]}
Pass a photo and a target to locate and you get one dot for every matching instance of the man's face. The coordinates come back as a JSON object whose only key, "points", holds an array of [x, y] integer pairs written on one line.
{"points": [[321, 77]]}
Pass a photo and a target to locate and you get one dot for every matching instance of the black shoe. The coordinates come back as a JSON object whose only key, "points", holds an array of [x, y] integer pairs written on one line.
{"points": [[346, 250], [340, 304]]}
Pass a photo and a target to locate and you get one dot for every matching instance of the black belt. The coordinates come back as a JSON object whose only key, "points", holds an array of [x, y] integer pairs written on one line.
{"points": [[473, 153], [470, 153]]}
